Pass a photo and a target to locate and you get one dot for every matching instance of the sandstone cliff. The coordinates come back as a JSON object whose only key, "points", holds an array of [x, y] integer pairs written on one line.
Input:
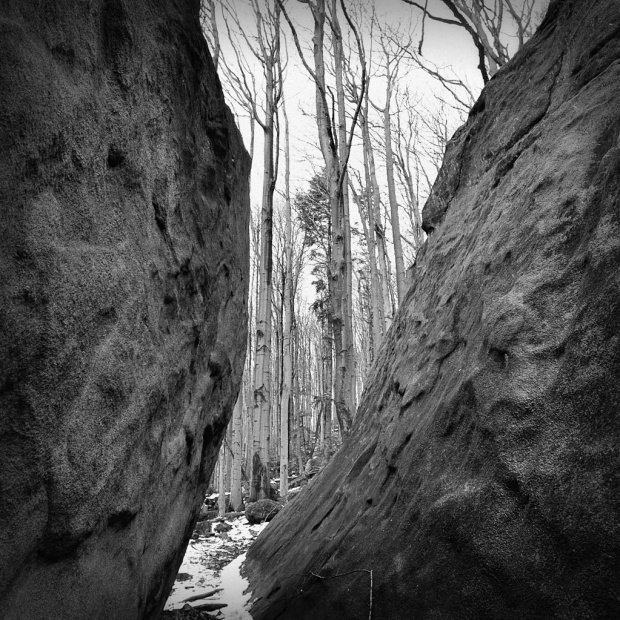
{"points": [[123, 276], [482, 476]]}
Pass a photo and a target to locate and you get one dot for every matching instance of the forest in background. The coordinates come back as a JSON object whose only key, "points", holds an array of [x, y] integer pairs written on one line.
{"points": [[338, 183]]}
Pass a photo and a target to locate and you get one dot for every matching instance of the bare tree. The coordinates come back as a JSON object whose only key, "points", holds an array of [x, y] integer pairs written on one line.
{"points": [[264, 44], [313, 208], [407, 161], [364, 205], [209, 25], [287, 381], [335, 144], [375, 221], [391, 57], [486, 22]]}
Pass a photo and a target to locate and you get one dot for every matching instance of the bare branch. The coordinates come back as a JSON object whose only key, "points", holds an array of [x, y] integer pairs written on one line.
{"points": [[312, 74], [443, 20]]}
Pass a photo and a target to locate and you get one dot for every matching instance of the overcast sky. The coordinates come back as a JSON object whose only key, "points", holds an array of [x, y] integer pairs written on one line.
{"points": [[444, 45]]}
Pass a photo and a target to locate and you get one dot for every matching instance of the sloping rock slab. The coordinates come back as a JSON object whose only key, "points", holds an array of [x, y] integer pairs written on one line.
{"points": [[123, 275], [482, 476]]}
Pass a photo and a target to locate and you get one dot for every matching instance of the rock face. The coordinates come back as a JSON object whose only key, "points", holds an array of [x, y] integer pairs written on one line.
{"points": [[482, 476], [123, 275]]}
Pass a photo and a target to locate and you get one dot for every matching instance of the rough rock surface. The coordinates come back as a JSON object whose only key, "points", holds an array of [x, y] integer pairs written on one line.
{"points": [[481, 479], [123, 276]]}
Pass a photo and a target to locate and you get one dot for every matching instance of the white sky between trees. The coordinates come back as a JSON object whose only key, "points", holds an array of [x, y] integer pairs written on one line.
{"points": [[444, 45]]}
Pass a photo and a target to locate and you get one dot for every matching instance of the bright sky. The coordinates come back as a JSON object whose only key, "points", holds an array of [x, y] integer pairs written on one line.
{"points": [[444, 45]]}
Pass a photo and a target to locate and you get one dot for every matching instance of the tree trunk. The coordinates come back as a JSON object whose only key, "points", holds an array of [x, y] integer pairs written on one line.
{"points": [[326, 400], [262, 393], [376, 223], [337, 267], [364, 203], [262, 401], [346, 403], [287, 365], [389, 169], [209, 9], [262, 390], [221, 501], [297, 410], [236, 499]]}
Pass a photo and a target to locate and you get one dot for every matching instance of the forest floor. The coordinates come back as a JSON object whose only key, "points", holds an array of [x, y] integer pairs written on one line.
{"points": [[209, 585]]}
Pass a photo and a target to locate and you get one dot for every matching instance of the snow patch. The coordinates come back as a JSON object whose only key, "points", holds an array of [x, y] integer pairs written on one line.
{"points": [[234, 593], [196, 575]]}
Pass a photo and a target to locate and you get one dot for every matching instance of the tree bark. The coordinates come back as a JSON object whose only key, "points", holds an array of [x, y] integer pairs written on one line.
{"points": [[326, 400], [335, 173], [287, 366], [236, 499], [337, 267], [262, 391], [345, 404], [221, 500], [375, 221], [394, 218], [363, 202]]}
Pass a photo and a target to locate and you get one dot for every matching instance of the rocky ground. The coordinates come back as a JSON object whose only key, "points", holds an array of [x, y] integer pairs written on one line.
{"points": [[208, 585]]}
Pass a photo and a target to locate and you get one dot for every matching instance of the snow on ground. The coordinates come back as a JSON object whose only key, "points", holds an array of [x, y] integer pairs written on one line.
{"points": [[202, 570], [234, 593]]}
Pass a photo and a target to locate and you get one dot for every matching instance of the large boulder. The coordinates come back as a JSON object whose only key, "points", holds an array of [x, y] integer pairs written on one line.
{"points": [[262, 510], [123, 272], [482, 476]]}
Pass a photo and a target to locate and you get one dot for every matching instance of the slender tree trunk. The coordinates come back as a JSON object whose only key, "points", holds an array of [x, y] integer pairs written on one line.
{"points": [[402, 160], [277, 361], [297, 411], [364, 203], [379, 231], [221, 501], [236, 499], [415, 218], [394, 219], [262, 391], [326, 400], [337, 269], [391, 299], [229, 457], [262, 401], [287, 370], [210, 16], [345, 415], [319, 434]]}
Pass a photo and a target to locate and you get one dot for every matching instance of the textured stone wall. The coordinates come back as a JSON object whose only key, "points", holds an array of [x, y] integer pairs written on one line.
{"points": [[123, 274], [482, 476]]}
